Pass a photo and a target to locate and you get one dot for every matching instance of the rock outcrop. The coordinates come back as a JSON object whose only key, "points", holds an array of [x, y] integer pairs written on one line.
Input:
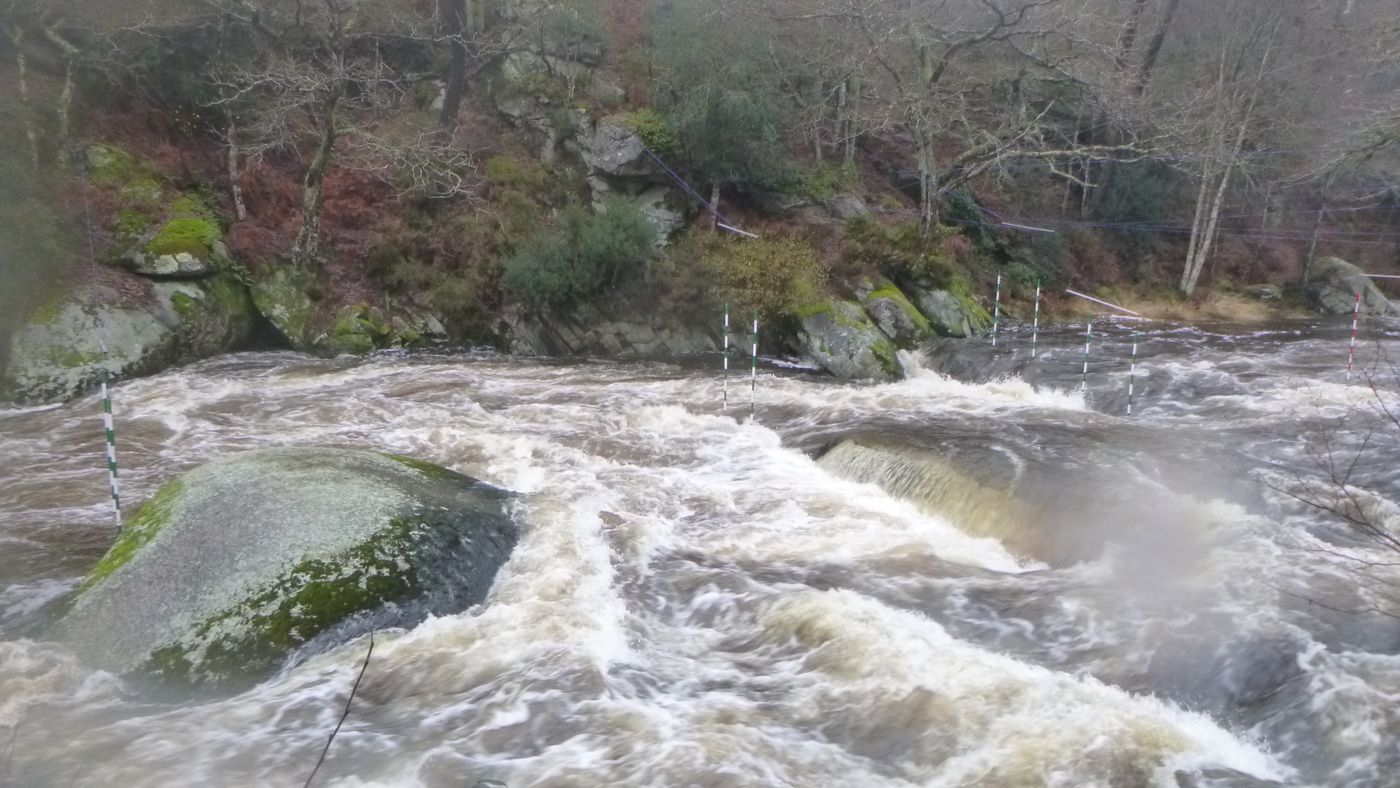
{"points": [[1334, 283], [951, 314], [592, 332], [841, 337], [892, 312], [259, 558], [128, 325]]}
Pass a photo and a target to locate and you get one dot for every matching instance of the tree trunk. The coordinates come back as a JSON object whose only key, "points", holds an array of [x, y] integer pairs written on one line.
{"points": [[1154, 48], [453, 15], [308, 241], [1208, 237], [714, 207], [26, 105], [1128, 37], [928, 185], [851, 92], [235, 170], [65, 98], [1197, 223]]}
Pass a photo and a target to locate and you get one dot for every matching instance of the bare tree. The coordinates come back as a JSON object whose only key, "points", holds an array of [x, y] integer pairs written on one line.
{"points": [[321, 81], [935, 63]]}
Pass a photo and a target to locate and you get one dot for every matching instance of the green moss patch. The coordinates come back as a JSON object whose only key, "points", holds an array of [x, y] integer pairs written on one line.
{"points": [[431, 470], [195, 236], [889, 292], [258, 633], [888, 357], [153, 516]]}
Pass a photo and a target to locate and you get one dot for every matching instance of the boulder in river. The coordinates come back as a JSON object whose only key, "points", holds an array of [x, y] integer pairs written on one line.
{"points": [[840, 336], [951, 313], [129, 325], [1334, 283], [257, 558], [893, 313]]}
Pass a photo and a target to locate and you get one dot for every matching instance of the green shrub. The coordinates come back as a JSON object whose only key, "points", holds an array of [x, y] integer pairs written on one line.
{"points": [[777, 276], [195, 236], [131, 223], [585, 255], [900, 251], [190, 206], [824, 180], [656, 134]]}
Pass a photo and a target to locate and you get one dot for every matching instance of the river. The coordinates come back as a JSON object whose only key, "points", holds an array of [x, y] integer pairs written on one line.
{"points": [[994, 579]]}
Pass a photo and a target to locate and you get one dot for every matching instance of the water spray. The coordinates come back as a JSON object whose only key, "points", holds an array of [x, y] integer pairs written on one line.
{"points": [[726, 360], [1355, 321], [996, 312], [1035, 321], [753, 372]]}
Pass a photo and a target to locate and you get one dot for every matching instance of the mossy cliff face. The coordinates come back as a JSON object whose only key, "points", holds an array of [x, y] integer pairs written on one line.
{"points": [[130, 326], [260, 558]]}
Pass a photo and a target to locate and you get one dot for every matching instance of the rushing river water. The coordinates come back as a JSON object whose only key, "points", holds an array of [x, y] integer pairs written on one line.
{"points": [[1001, 581]]}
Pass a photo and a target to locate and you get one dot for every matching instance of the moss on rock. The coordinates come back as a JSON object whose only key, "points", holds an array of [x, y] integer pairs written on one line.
{"points": [[285, 614], [191, 235], [258, 558], [148, 521]]}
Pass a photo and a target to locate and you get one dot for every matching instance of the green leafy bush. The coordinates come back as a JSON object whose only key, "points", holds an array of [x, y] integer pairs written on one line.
{"points": [[900, 251], [721, 96], [656, 134], [585, 255], [777, 276]]}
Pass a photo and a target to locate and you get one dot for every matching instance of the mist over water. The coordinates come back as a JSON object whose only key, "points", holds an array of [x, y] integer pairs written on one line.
{"points": [[933, 582]]}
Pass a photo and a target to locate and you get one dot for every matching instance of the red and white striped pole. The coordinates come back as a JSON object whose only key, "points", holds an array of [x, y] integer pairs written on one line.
{"points": [[1355, 319]]}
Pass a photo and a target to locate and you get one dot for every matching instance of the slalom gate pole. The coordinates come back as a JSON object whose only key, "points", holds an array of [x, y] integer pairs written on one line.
{"points": [[1088, 336], [726, 358], [111, 451], [753, 372], [1351, 348], [1035, 321], [996, 312], [1132, 373]]}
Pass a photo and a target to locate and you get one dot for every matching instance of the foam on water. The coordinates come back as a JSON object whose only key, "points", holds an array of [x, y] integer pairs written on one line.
{"points": [[693, 601]]}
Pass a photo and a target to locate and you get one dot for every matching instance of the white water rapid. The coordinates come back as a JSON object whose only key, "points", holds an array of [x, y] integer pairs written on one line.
{"points": [[699, 601]]}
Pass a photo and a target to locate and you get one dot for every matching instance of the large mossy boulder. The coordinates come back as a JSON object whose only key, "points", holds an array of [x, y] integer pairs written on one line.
{"points": [[1334, 283], [841, 337], [893, 313], [951, 312], [255, 559], [128, 325], [282, 294]]}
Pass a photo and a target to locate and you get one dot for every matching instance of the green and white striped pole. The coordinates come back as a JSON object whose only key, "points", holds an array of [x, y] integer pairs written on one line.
{"points": [[1035, 322], [753, 372], [111, 451], [726, 359], [1132, 374], [996, 312], [1088, 337]]}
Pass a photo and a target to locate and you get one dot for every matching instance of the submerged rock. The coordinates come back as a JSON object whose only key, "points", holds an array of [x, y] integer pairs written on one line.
{"points": [[131, 326], [1333, 286], [257, 558], [840, 336]]}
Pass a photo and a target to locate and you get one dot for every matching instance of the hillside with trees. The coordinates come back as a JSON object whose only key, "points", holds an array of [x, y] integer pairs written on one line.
{"points": [[543, 175]]}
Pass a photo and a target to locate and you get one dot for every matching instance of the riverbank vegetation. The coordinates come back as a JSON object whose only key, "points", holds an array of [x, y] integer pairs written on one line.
{"points": [[483, 158]]}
